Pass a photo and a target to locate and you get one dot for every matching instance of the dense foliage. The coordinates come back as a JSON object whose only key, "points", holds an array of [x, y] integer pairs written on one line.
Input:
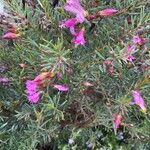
{"points": [[85, 87]]}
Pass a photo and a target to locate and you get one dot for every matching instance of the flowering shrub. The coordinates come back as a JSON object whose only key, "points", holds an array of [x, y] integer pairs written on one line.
{"points": [[74, 74]]}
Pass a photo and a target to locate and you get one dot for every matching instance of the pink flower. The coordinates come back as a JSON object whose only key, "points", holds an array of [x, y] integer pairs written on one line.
{"points": [[131, 48], [139, 40], [111, 69], [4, 81], [31, 85], [108, 12], [130, 57], [61, 87], [34, 98], [79, 38], [68, 23], [10, 35], [43, 76], [12, 29], [75, 7], [138, 100], [32, 91], [117, 120], [108, 62]]}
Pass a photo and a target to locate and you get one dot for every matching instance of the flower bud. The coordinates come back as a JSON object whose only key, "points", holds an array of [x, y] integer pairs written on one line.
{"points": [[10, 35], [108, 12]]}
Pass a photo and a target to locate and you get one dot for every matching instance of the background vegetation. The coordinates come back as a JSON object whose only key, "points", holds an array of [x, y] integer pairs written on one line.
{"points": [[81, 118]]}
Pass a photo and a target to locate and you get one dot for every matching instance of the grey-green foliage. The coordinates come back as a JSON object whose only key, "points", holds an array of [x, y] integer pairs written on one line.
{"points": [[24, 126]]}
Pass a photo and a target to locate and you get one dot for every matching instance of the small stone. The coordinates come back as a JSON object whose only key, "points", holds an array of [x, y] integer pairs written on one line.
{"points": [[71, 141], [89, 144]]}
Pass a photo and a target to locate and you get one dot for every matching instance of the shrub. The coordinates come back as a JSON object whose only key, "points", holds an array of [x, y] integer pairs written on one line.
{"points": [[74, 75]]}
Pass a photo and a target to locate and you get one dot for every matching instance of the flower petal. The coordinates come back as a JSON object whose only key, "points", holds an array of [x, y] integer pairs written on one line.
{"points": [[117, 120], [108, 12], [75, 7], [32, 91], [61, 87], [79, 38], [10, 35], [68, 23], [34, 98], [138, 100], [139, 40]]}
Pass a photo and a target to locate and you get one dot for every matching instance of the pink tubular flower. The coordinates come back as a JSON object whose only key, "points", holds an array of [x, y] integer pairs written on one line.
{"points": [[68, 23], [31, 86], [75, 7], [42, 76], [139, 40], [108, 12], [61, 87], [79, 38], [10, 35], [34, 98], [117, 120], [138, 100], [128, 55], [32, 91]]}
